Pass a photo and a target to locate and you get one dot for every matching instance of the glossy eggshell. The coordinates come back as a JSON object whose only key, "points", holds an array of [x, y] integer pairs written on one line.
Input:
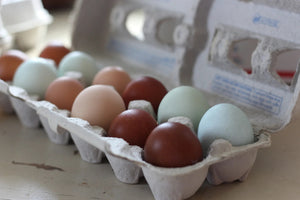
{"points": [[35, 75], [225, 121], [183, 101], [133, 125], [172, 144], [9, 62], [145, 88], [63, 91], [114, 76], [79, 62], [99, 105], [55, 51]]}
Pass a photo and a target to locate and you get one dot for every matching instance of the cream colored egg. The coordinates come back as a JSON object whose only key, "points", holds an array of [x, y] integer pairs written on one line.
{"points": [[99, 105]]}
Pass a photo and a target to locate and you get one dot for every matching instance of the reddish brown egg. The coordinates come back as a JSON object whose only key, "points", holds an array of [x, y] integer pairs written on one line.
{"points": [[133, 126], [9, 62], [145, 88], [55, 51], [63, 91], [114, 76], [172, 144]]}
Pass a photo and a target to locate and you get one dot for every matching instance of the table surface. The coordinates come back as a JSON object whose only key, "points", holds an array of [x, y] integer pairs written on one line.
{"points": [[34, 168]]}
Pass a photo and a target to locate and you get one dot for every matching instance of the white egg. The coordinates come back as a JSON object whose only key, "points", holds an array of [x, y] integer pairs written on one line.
{"points": [[225, 121]]}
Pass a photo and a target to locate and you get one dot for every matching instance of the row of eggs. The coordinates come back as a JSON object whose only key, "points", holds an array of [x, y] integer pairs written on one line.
{"points": [[104, 97]]}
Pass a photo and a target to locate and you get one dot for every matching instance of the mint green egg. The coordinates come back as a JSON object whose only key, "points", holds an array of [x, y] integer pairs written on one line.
{"points": [[225, 121], [184, 101], [35, 75], [79, 62]]}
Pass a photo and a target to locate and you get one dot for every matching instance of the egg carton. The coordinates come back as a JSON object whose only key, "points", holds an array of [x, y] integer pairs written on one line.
{"points": [[269, 105], [127, 160], [29, 26]]}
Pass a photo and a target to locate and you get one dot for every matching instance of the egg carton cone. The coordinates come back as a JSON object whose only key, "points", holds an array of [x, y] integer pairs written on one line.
{"points": [[261, 92], [59, 136], [26, 113], [56, 134], [29, 26], [224, 171], [88, 152], [125, 171], [5, 104], [50, 112]]}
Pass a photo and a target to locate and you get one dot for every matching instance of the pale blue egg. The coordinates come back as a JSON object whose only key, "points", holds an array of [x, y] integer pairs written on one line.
{"points": [[79, 62], [35, 75], [225, 121], [184, 101]]}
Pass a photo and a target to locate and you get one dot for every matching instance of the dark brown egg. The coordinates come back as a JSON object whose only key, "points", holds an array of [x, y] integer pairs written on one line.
{"points": [[63, 91], [172, 144], [133, 125], [55, 51], [145, 88], [9, 62]]}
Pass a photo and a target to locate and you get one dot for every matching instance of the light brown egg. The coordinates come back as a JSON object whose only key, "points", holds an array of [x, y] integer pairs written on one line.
{"points": [[99, 105], [9, 62], [114, 76], [63, 91]]}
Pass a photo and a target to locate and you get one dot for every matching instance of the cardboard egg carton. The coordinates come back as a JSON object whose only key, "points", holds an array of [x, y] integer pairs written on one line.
{"points": [[127, 161], [269, 105]]}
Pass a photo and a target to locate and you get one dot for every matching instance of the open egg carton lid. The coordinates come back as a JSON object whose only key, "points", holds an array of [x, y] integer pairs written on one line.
{"points": [[144, 37], [267, 99], [100, 29]]}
